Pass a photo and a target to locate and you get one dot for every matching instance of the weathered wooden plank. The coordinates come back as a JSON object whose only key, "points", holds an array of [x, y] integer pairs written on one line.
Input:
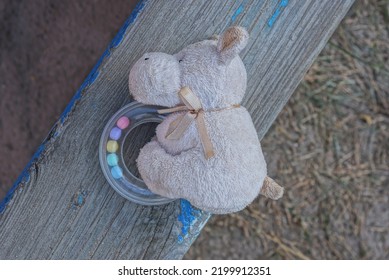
{"points": [[62, 207]]}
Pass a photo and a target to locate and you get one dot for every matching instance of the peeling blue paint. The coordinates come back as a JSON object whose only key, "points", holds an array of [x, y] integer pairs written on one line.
{"points": [[187, 217], [79, 199], [120, 35], [237, 12], [284, 3], [277, 12], [90, 79]]}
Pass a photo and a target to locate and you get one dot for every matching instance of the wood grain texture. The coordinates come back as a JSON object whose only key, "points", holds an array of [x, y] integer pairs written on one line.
{"points": [[62, 207]]}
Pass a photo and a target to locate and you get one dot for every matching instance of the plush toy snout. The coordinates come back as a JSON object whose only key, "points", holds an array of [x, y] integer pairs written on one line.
{"points": [[155, 79]]}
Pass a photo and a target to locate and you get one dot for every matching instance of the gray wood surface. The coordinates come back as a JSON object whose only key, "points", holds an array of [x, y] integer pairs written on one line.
{"points": [[63, 208]]}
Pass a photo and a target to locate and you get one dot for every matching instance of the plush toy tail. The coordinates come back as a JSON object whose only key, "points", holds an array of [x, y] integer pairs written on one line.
{"points": [[271, 189]]}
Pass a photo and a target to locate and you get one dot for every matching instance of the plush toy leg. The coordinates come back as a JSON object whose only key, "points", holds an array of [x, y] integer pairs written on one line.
{"points": [[271, 189], [152, 166], [163, 173]]}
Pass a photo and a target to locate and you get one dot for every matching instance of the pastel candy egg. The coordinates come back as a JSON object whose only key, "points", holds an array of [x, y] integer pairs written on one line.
{"points": [[115, 133], [112, 159], [123, 122], [112, 146], [117, 172]]}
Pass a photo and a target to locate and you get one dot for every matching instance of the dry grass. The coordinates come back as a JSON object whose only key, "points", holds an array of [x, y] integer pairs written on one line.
{"points": [[329, 147]]}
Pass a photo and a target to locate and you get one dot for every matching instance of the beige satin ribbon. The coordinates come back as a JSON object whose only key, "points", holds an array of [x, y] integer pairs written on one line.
{"points": [[195, 112]]}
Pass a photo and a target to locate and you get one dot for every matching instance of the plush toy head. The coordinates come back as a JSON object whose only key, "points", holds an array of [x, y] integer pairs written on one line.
{"points": [[177, 167], [211, 68]]}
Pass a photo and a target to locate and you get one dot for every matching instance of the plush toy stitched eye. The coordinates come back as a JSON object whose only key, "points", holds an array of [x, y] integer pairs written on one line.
{"points": [[180, 61], [146, 58]]}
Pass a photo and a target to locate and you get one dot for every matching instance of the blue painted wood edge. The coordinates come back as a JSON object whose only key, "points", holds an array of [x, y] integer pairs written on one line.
{"points": [[55, 130]]}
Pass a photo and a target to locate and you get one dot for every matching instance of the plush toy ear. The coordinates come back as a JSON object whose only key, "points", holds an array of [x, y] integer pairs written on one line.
{"points": [[232, 42]]}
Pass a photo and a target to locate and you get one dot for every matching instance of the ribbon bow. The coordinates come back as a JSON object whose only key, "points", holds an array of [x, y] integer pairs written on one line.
{"points": [[195, 112]]}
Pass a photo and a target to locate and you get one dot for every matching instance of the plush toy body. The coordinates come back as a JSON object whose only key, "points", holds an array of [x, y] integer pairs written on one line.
{"points": [[229, 178]]}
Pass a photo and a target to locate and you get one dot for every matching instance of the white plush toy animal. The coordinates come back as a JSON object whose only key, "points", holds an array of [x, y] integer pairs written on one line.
{"points": [[207, 151]]}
